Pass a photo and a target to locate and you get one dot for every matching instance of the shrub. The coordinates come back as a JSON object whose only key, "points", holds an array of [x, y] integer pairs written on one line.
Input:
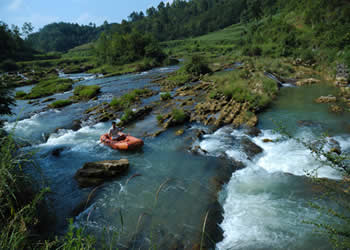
{"points": [[160, 118], [116, 103], [252, 51], [197, 65], [270, 86], [170, 61], [178, 115], [307, 56], [60, 104], [165, 96], [127, 115], [86, 92]]}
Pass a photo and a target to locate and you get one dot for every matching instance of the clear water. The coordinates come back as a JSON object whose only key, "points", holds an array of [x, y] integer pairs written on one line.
{"points": [[264, 204]]}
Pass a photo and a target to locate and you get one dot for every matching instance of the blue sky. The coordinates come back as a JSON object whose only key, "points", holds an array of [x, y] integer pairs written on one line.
{"points": [[41, 12]]}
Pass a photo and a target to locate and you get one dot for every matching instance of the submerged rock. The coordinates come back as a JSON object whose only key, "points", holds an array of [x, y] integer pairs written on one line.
{"points": [[253, 131], [308, 81], [76, 125], [179, 132], [308, 123], [57, 151], [250, 148], [336, 109], [326, 99], [95, 173]]}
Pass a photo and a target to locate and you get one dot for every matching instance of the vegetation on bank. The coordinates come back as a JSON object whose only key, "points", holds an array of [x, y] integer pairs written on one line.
{"points": [[60, 104], [255, 89], [194, 67], [46, 88], [128, 99], [85, 93], [165, 96], [119, 49], [19, 210]]}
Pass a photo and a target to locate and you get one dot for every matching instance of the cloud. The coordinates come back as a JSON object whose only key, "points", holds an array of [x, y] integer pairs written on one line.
{"points": [[15, 4]]}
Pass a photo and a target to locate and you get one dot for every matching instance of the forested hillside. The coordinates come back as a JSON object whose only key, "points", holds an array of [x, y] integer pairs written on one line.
{"points": [[63, 36]]}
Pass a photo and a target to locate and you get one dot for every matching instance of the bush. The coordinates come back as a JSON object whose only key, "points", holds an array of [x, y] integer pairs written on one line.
{"points": [[86, 92], [127, 115], [170, 61], [165, 96], [116, 103], [307, 56], [60, 104], [160, 118], [197, 65], [252, 51], [178, 115]]}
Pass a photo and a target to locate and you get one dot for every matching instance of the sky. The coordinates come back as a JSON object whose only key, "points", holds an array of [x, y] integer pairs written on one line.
{"points": [[42, 12]]}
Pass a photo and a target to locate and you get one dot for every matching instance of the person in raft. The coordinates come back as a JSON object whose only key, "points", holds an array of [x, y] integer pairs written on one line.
{"points": [[115, 134]]}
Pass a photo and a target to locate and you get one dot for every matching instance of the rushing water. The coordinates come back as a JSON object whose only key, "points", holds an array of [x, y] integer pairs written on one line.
{"points": [[165, 195]]}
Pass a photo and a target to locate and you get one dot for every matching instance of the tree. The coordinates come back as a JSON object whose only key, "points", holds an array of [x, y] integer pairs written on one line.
{"points": [[27, 28]]}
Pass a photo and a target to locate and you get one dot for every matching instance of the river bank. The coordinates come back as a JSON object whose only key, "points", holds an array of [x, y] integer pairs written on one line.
{"points": [[159, 161]]}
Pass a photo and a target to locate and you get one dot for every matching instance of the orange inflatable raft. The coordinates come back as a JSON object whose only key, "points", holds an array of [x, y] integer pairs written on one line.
{"points": [[129, 143]]}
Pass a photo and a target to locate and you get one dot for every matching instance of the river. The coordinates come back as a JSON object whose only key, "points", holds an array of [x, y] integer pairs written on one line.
{"points": [[164, 198]]}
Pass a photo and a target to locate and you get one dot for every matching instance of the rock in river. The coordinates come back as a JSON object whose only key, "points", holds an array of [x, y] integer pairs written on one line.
{"points": [[326, 99], [95, 173], [308, 81], [250, 148]]}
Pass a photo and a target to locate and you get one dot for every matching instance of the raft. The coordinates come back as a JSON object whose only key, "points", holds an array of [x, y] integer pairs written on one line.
{"points": [[129, 143]]}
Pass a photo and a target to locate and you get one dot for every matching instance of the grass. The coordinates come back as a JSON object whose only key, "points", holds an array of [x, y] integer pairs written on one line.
{"points": [[160, 118], [128, 99], [60, 104], [20, 94], [165, 96], [257, 90], [46, 88], [86, 92], [127, 116], [178, 115], [19, 210]]}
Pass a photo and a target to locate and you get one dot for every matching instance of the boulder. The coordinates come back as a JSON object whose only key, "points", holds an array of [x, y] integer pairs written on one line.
{"points": [[76, 125], [57, 151], [253, 131], [307, 81], [95, 173], [250, 148], [336, 109], [326, 99]]}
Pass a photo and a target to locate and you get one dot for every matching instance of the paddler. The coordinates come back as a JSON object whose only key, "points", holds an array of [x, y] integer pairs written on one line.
{"points": [[115, 134]]}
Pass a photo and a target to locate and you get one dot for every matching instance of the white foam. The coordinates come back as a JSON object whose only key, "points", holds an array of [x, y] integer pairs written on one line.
{"points": [[82, 140], [263, 205]]}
